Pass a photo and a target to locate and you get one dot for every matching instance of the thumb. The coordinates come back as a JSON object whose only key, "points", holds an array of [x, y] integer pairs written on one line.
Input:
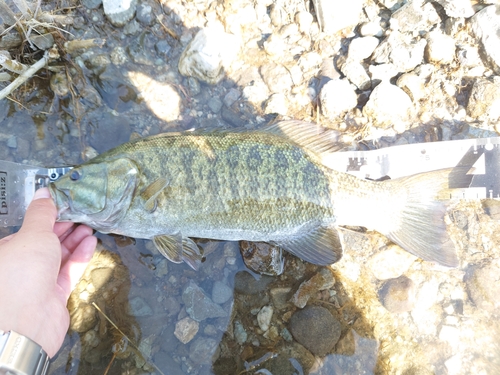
{"points": [[41, 213]]}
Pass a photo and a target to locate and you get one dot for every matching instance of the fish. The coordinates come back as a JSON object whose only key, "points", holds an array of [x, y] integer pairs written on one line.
{"points": [[267, 185]]}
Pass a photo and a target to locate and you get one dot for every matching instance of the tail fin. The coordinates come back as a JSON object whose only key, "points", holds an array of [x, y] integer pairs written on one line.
{"points": [[417, 222]]}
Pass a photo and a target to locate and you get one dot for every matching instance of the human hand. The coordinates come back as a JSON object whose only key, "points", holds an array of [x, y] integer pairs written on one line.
{"points": [[39, 267]]}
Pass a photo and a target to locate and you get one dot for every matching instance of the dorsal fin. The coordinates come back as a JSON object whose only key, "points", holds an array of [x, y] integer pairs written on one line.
{"points": [[308, 135]]}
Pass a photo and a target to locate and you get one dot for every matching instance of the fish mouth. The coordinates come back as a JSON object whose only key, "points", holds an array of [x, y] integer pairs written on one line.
{"points": [[62, 202]]}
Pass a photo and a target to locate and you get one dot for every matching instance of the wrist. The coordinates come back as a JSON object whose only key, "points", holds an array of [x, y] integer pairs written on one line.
{"points": [[20, 355]]}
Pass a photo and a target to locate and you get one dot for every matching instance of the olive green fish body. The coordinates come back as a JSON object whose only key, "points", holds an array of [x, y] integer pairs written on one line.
{"points": [[228, 186]]}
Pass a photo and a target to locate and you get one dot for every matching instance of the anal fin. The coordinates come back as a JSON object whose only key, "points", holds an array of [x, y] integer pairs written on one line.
{"points": [[179, 249], [322, 247]]}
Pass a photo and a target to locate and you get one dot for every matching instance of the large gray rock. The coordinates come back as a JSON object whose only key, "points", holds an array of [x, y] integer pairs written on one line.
{"points": [[198, 305], [486, 27], [316, 329]]}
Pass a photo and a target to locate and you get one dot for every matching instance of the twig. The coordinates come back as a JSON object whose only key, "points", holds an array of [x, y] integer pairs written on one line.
{"points": [[23, 77]]}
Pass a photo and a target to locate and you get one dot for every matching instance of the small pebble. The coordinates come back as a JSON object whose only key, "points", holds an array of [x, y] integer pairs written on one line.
{"points": [[398, 295]]}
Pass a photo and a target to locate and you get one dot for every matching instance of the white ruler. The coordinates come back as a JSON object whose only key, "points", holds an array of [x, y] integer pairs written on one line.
{"points": [[480, 158]]}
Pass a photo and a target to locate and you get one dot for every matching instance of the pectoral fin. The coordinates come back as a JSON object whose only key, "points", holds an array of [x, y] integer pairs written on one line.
{"points": [[150, 193], [322, 247], [179, 249]]}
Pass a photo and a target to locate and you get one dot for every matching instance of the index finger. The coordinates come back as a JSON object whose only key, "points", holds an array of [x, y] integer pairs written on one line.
{"points": [[41, 213]]}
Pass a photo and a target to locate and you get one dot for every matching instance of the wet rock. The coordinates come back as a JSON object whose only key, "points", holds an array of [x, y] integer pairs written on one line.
{"points": [[83, 318], [277, 103], [415, 16], [486, 26], [198, 305], [440, 48], [161, 269], [391, 263], [202, 350], [280, 297], [117, 129], [208, 54], [457, 8], [388, 105], [335, 15], [215, 104], [403, 51], [398, 295], [145, 14], [320, 281], [485, 99], [161, 98], [245, 283], [12, 142], [232, 117], [186, 329], [337, 97], [139, 307], [262, 257], [221, 292], [316, 329], [264, 317], [483, 286], [163, 48], [43, 42], [119, 12], [91, 4], [362, 48], [231, 97], [240, 334], [356, 73]]}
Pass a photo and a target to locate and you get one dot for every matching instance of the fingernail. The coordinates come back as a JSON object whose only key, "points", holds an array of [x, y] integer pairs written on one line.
{"points": [[41, 193]]}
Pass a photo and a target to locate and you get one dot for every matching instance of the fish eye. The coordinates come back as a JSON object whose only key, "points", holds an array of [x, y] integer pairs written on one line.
{"points": [[74, 176]]}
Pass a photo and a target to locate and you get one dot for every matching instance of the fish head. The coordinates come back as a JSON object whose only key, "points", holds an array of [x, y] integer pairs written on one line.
{"points": [[96, 194]]}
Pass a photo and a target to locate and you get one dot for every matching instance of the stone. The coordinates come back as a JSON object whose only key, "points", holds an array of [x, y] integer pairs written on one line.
{"points": [[119, 12], [484, 99], [304, 19], [276, 77], [276, 103], [231, 97], [457, 8], [264, 317], [362, 48], [198, 305], [221, 293], [483, 286], [320, 281], [240, 334], [391, 263], [138, 307], [215, 104], [356, 73], [208, 55], [316, 329], [186, 329], [337, 97], [413, 85], [336, 15], [262, 257], [486, 27], [388, 105], [202, 350], [245, 283], [415, 16], [382, 72], [403, 51], [398, 295], [161, 97], [145, 14], [371, 28], [440, 48]]}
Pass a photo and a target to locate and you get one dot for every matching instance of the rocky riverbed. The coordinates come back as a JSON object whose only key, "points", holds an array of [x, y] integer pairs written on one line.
{"points": [[383, 73]]}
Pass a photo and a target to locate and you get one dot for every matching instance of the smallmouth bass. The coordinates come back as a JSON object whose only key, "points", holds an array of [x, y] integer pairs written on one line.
{"points": [[266, 185]]}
